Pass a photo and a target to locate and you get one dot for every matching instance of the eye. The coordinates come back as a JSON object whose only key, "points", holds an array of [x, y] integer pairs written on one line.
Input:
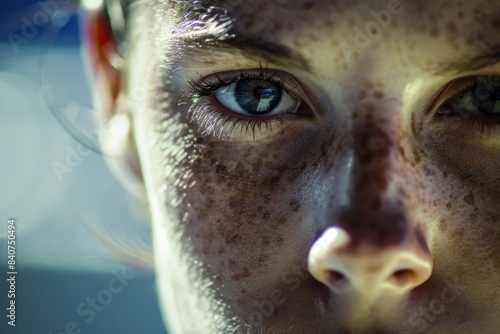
{"points": [[248, 104], [256, 97], [476, 97]]}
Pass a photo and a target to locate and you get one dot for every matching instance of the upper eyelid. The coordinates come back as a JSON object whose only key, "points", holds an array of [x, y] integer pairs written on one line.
{"points": [[452, 88], [206, 86], [460, 86]]}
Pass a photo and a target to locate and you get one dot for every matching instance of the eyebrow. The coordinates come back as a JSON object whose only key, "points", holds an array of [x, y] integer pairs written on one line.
{"points": [[271, 52], [265, 51], [485, 59], [250, 47]]}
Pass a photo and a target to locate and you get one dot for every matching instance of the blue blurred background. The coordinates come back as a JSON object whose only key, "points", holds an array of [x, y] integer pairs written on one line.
{"points": [[56, 190]]}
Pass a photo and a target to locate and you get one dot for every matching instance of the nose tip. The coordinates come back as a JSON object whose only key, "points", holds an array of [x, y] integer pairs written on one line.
{"points": [[368, 272]]}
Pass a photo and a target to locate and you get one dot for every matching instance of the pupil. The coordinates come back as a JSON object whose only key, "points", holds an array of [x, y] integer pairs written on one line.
{"points": [[258, 97]]}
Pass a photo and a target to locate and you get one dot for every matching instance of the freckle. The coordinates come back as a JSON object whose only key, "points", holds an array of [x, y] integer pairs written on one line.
{"points": [[452, 28], [295, 205], [435, 32], [266, 215], [245, 273], [266, 199], [469, 198], [448, 205], [458, 234], [417, 156], [248, 25], [262, 259], [221, 170], [309, 6], [329, 23], [231, 238], [257, 166], [480, 36], [243, 291], [378, 94], [443, 225], [495, 24], [281, 220], [428, 171], [265, 240]]}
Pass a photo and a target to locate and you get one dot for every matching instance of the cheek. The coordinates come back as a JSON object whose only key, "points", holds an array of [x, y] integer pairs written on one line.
{"points": [[245, 210], [458, 189], [462, 223]]}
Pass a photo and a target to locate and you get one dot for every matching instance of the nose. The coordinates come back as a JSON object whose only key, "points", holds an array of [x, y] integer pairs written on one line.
{"points": [[371, 244], [367, 271]]}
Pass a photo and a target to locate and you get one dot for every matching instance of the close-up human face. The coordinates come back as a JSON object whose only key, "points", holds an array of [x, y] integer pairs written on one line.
{"points": [[319, 166]]}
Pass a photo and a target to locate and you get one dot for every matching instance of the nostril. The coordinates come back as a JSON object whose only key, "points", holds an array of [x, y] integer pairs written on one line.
{"points": [[403, 277], [367, 271], [335, 278]]}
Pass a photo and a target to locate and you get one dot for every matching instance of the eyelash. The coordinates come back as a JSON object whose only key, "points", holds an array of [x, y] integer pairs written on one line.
{"points": [[204, 87], [214, 121], [487, 125]]}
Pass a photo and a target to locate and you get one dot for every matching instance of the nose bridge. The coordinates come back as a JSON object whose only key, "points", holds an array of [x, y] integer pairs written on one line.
{"points": [[372, 245], [375, 213]]}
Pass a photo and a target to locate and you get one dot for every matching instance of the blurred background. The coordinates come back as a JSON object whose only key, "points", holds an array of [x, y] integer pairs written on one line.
{"points": [[57, 186]]}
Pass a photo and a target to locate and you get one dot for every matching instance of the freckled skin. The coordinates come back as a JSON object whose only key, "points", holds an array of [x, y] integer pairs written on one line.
{"points": [[234, 219]]}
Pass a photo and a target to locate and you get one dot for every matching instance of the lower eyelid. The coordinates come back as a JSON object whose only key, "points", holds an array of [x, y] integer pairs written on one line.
{"points": [[213, 118], [221, 125]]}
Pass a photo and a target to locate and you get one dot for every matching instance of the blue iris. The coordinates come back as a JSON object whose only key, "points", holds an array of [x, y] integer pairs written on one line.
{"points": [[256, 96]]}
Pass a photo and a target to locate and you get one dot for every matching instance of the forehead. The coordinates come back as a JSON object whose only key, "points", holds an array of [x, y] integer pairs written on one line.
{"points": [[281, 16], [328, 32]]}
